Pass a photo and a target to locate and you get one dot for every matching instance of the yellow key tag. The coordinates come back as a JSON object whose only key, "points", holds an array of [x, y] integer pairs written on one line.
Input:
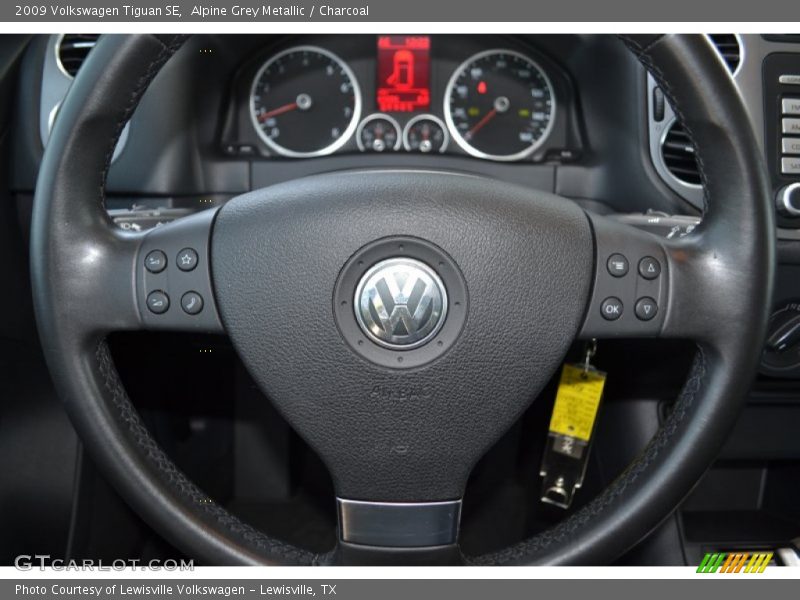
{"points": [[577, 401], [566, 453]]}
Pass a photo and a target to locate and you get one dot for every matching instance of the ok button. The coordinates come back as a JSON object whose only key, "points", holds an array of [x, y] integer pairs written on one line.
{"points": [[611, 308]]}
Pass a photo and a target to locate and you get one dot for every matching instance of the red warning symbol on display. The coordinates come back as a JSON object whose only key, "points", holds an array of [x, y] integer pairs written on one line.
{"points": [[403, 73]]}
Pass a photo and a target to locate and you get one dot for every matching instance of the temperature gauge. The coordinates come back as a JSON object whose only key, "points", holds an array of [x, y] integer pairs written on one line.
{"points": [[425, 133], [378, 133]]}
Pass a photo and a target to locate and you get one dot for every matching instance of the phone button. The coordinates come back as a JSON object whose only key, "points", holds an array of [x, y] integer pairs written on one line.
{"points": [[191, 303]]}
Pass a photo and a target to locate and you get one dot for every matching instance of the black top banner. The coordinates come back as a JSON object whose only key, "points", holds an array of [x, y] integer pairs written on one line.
{"points": [[258, 11]]}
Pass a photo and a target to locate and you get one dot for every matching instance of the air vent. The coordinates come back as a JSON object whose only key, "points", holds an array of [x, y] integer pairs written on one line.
{"points": [[677, 151], [678, 154], [728, 46], [73, 49]]}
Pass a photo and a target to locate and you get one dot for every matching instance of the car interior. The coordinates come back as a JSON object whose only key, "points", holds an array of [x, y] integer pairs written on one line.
{"points": [[305, 299]]}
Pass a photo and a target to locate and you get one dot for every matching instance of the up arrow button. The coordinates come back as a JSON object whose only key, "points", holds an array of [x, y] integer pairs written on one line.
{"points": [[649, 268]]}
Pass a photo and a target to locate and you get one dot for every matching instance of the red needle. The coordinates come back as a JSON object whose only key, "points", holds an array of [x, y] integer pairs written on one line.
{"points": [[277, 111], [488, 117]]}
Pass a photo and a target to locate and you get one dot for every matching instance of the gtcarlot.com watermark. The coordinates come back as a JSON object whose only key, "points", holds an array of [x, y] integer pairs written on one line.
{"points": [[29, 562]]}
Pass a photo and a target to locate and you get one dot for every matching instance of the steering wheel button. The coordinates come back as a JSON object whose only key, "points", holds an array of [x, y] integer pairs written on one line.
{"points": [[191, 303], [157, 302], [611, 308], [155, 261], [649, 267], [617, 265], [645, 309], [187, 259]]}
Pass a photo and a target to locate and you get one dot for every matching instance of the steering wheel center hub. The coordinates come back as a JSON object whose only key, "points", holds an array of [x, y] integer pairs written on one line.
{"points": [[436, 334], [400, 302]]}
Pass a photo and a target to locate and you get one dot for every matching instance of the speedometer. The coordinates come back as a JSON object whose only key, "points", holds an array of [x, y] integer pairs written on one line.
{"points": [[305, 101], [499, 105]]}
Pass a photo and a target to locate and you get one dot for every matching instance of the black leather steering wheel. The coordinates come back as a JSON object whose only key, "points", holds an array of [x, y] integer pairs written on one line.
{"points": [[400, 428]]}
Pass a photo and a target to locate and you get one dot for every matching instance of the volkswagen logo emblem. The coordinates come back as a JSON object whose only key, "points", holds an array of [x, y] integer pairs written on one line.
{"points": [[400, 303]]}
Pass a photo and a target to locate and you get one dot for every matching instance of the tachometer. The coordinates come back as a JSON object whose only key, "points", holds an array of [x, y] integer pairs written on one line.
{"points": [[305, 101], [499, 105]]}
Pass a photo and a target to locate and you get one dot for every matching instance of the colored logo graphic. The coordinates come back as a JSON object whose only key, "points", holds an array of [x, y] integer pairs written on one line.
{"points": [[734, 562]]}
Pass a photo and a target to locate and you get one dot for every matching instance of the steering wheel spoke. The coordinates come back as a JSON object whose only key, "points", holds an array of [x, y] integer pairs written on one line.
{"points": [[646, 286], [157, 280], [97, 292]]}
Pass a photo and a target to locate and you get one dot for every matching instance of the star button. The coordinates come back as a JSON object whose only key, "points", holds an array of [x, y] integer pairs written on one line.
{"points": [[187, 259]]}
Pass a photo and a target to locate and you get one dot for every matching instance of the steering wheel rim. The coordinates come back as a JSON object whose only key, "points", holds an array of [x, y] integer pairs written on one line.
{"points": [[724, 268]]}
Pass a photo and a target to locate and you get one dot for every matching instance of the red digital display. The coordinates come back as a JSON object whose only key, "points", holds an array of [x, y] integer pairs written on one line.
{"points": [[404, 73]]}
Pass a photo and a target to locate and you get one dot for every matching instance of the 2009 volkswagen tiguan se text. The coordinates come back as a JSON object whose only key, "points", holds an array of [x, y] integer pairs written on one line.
{"points": [[399, 299]]}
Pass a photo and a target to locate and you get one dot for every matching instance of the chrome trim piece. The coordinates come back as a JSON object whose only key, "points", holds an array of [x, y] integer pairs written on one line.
{"points": [[740, 41], [466, 146], [348, 132], [51, 118], [399, 524], [784, 202], [375, 117], [56, 48], [60, 39], [60, 65], [426, 117], [742, 54]]}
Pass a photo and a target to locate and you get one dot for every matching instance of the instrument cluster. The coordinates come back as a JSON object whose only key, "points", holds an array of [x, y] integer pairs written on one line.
{"points": [[489, 98]]}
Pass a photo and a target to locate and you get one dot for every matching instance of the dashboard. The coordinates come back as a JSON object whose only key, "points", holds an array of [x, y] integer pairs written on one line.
{"points": [[481, 97], [574, 115]]}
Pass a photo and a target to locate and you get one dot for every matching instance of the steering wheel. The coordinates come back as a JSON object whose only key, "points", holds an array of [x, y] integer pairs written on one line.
{"points": [[400, 320]]}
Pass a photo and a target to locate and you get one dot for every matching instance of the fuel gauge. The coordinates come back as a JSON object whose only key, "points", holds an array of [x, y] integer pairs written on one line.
{"points": [[426, 134], [378, 133]]}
